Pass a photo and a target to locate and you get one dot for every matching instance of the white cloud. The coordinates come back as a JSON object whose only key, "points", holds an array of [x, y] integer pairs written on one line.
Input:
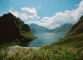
{"points": [[54, 21], [15, 13], [62, 17], [26, 13], [29, 12]]}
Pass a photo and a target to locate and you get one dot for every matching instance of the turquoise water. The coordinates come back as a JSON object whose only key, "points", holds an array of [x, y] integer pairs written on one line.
{"points": [[45, 39]]}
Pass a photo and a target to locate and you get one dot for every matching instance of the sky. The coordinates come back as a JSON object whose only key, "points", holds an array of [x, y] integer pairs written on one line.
{"points": [[47, 13]]}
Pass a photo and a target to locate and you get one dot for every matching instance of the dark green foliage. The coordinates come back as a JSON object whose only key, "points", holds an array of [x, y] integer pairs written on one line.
{"points": [[68, 48], [12, 28]]}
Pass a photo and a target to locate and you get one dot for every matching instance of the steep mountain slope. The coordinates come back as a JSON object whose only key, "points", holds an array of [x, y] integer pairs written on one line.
{"points": [[74, 37], [77, 28], [63, 28], [71, 45], [38, 29], [12, 28], [67, 48]]}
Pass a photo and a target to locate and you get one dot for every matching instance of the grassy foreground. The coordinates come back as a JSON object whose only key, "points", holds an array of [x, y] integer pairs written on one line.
{"points": [[41, 54], [68, 48]]}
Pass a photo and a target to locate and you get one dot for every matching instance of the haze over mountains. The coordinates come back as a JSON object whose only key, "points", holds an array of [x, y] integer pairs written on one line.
{"points": [[74, 37], [39, 29], [63, 28], [12, 28], [72, 43]]}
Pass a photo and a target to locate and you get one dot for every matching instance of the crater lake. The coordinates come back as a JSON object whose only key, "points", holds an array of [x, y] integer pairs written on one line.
{"points": [[45, 39]]}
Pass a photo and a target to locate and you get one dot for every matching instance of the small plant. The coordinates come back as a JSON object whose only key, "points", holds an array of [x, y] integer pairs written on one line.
{"points": [[21, 53]]}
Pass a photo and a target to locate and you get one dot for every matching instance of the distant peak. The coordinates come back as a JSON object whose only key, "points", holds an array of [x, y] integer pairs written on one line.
{"points": [[8, 14]]}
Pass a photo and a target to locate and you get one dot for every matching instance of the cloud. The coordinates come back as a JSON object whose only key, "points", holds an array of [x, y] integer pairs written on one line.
{"points": [[53, 21], [15, 13], [29, 12], [26, 13], [62, 17]]}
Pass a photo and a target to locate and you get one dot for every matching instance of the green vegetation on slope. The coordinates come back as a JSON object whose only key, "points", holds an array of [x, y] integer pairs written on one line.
{"points": [[72, 47], [53, 52], [68, 48], [77, 28], [12, 28]]}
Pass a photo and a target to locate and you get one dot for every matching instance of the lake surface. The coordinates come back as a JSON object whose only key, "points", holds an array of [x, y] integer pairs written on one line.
{"points": [[45, 39]]}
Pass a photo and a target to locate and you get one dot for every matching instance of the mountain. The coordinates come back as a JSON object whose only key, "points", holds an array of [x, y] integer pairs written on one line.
{"points": [[38, 29], [71, 44], [12, 28], [63, 28], [77, 28], [74, 37]]}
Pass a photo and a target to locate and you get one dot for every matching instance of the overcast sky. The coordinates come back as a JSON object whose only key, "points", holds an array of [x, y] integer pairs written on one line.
{"points": [[48, 13]]}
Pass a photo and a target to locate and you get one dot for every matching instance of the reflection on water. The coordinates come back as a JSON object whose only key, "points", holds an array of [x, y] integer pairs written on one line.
{"points": [[45, 39]]}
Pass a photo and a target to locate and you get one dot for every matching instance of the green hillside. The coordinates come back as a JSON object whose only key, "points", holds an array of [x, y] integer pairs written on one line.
{"points": [[12, 28], [67, 48], [77, 28], [72, 44]]}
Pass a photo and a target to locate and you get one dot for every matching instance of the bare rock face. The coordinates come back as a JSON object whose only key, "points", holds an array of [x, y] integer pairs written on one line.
{"points": [[12, 28]]}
